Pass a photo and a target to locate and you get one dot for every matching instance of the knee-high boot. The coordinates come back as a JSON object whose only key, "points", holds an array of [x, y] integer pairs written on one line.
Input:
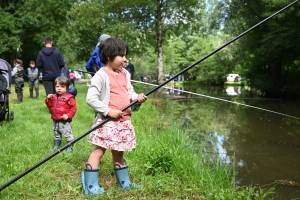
{"points": [[31, 94], [56, 146], [90, 181], [123, 178], [20, 98], [70, 148], [37, 93]]}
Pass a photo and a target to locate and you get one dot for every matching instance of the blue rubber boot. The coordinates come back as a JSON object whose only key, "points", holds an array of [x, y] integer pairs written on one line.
{"points": [[57, 144], [123, 179], [70, 148], [90, 182]]}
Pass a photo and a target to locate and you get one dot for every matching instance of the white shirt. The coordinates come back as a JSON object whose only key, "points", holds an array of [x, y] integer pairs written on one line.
{"points": [[14, 71]]}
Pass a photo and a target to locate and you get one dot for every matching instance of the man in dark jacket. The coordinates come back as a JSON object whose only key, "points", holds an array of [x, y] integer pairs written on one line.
{"points": [[51, 61]]}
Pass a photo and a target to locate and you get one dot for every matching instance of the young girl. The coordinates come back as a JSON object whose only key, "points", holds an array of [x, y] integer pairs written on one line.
{"points": [[17, 73], [109, 92]]}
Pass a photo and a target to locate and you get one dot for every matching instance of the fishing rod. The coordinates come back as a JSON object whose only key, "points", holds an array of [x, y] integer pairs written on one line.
{"points": [[224, 100], [134, 102]]}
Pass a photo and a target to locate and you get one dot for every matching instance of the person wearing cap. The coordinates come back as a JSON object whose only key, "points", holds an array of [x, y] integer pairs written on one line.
{"points": [[94, 63]]}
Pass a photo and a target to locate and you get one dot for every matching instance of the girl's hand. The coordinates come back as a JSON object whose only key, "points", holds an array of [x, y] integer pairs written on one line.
{"points": [[114, 113], [65, 117], [142, 98], [49, 96]]}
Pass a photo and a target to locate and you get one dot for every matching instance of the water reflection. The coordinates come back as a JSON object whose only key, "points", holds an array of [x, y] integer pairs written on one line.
{"points": [[263, 146], [231, 90]]}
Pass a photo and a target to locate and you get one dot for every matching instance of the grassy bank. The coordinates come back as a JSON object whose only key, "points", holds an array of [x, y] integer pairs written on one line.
{"points": [[165, 161], [240, 83]]}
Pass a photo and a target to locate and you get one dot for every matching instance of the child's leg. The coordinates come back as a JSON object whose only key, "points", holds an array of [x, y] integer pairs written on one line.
{"points": [[66, 130], [90, 175], [121, 171], [30, 89], [96, 156], [57, 137], [36, 87], [117, 158]]}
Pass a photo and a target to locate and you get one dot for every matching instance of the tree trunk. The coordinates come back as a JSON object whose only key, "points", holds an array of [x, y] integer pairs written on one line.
{"points": [[276, 79], [160, 75]]}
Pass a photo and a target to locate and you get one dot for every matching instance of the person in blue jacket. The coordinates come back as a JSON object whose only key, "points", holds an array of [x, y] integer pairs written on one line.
{"points": [[94, 63]]}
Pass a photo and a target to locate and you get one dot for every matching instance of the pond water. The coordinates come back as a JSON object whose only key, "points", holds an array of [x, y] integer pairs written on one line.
{"points": [[260, 136]]}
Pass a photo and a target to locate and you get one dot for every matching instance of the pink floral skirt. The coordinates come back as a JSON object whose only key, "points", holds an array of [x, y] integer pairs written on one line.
{"points": [[114, 135]]}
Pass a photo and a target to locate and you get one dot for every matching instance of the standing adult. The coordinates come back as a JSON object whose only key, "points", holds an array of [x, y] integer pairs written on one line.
{"points": [[130, 69], [94, 63], [32, 73], [17, 73], [51, 61]]}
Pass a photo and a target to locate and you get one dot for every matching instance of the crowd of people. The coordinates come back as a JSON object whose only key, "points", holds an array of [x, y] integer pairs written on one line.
{"points": [[110, 91]]}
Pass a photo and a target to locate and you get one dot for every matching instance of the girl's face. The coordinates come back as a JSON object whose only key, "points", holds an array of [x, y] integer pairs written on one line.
{"points": [[118, 62], [60, 89]]}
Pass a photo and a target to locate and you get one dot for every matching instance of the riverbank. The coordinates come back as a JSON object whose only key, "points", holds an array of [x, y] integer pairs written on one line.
{"points": [[165, 162], [240, 83]]}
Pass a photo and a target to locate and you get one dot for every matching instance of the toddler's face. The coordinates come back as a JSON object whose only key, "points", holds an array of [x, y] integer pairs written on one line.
{"points": [[60, 89], [31, 65]]}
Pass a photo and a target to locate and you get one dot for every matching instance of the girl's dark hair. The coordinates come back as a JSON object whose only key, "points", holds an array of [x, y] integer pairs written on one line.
{"points": [[111, 48], [62, 80]]}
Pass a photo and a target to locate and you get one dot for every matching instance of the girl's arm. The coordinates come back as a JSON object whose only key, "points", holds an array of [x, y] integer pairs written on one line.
{"points": [[97, 96]]}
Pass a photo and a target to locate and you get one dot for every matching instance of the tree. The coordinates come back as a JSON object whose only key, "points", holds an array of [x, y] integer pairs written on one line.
{"points": [[270, 53], [25, 24], [139, 22], [9, 31]]}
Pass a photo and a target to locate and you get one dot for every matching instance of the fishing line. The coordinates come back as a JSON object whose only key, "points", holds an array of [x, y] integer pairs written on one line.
{"points": [[134, 102], [183, 98], [223, 100]]}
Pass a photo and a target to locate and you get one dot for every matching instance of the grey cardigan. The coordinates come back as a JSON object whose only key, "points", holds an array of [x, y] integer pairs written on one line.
{"points": [[98, 94]]}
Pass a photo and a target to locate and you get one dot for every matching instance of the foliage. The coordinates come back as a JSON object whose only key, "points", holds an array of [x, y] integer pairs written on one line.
{"points": [[268, 55], [164, 36], [140, 23], [9, 29]]}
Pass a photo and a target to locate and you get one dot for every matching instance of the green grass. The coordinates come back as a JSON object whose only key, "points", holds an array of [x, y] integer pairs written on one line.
{"points": [[165, 161]]}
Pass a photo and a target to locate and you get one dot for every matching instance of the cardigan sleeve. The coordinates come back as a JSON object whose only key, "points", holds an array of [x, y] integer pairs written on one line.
{"points": [[98, 94]]}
